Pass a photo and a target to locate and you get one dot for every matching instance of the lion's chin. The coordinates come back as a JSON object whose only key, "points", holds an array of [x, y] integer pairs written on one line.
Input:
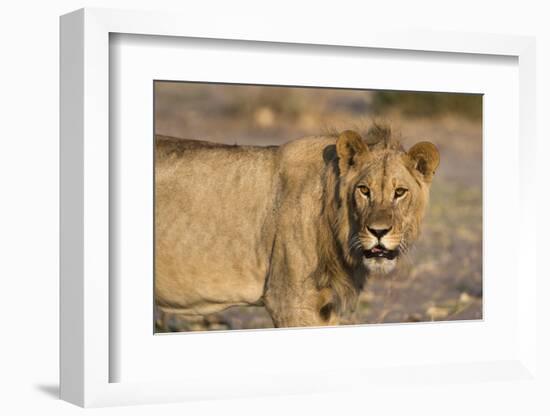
{"points": [[380, 265]]}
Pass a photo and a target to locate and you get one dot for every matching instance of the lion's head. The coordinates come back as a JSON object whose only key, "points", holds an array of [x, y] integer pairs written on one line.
{"points": [[385, 192], [375, 200]]}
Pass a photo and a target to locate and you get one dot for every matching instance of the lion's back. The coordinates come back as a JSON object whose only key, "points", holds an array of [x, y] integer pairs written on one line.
{"points": [[211, 170], [213, 220]]}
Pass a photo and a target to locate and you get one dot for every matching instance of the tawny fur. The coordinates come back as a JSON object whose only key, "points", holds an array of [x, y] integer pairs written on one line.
{"points": [[284, 227]]}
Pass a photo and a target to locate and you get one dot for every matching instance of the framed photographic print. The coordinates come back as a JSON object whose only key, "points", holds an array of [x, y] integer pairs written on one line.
{"points": [[282, 213]]}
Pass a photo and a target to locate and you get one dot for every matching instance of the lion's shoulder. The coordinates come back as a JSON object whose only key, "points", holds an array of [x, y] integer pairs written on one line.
{"points": [[310, 151]]}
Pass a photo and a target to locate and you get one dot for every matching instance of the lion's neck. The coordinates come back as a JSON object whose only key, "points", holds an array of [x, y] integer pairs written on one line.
{"points": [[337, 269]]}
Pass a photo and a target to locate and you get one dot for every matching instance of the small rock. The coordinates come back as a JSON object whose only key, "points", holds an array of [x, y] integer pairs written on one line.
{"points": [[264, 117], [464, 298], [435, 313]]}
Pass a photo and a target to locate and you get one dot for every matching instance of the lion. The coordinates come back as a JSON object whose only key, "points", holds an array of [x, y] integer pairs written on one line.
{"points": [[295, 228]]}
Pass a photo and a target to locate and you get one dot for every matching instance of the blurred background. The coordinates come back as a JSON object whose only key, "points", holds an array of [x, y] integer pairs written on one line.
{"points": [[443, 279]]}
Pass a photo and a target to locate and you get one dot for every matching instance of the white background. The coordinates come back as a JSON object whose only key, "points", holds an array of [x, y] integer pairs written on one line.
{"points": [[29, 207]]}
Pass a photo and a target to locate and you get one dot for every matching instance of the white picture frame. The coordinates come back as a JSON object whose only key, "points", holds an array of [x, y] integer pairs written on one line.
{"points": [[86, 356]]}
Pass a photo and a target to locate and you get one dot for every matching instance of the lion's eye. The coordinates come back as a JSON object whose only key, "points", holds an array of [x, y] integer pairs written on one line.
{"points": [[364, 190], [399, 192]]}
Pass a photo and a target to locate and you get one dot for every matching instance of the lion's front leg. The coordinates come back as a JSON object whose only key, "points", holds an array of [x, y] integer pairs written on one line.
{"points": [[301, 308], [292, 295], [301, 318]]}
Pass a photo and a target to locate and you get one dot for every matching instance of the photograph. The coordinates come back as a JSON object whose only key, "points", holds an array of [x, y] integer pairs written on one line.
{"points": [[291, 206]]}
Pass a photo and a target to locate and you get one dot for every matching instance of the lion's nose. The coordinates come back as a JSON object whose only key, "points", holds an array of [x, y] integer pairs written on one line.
{"points": [[379, 232]]}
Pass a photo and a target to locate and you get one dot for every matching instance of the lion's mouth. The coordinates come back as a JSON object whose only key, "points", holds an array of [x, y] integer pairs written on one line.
{"points": [[380, 251]]}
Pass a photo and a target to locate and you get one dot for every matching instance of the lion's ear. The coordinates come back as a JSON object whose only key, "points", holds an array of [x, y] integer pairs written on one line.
{"points": [[425, 159], [349, 147]]}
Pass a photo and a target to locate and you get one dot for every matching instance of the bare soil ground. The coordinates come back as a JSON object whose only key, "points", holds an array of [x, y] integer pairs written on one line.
{"points": [[442, 278]]}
